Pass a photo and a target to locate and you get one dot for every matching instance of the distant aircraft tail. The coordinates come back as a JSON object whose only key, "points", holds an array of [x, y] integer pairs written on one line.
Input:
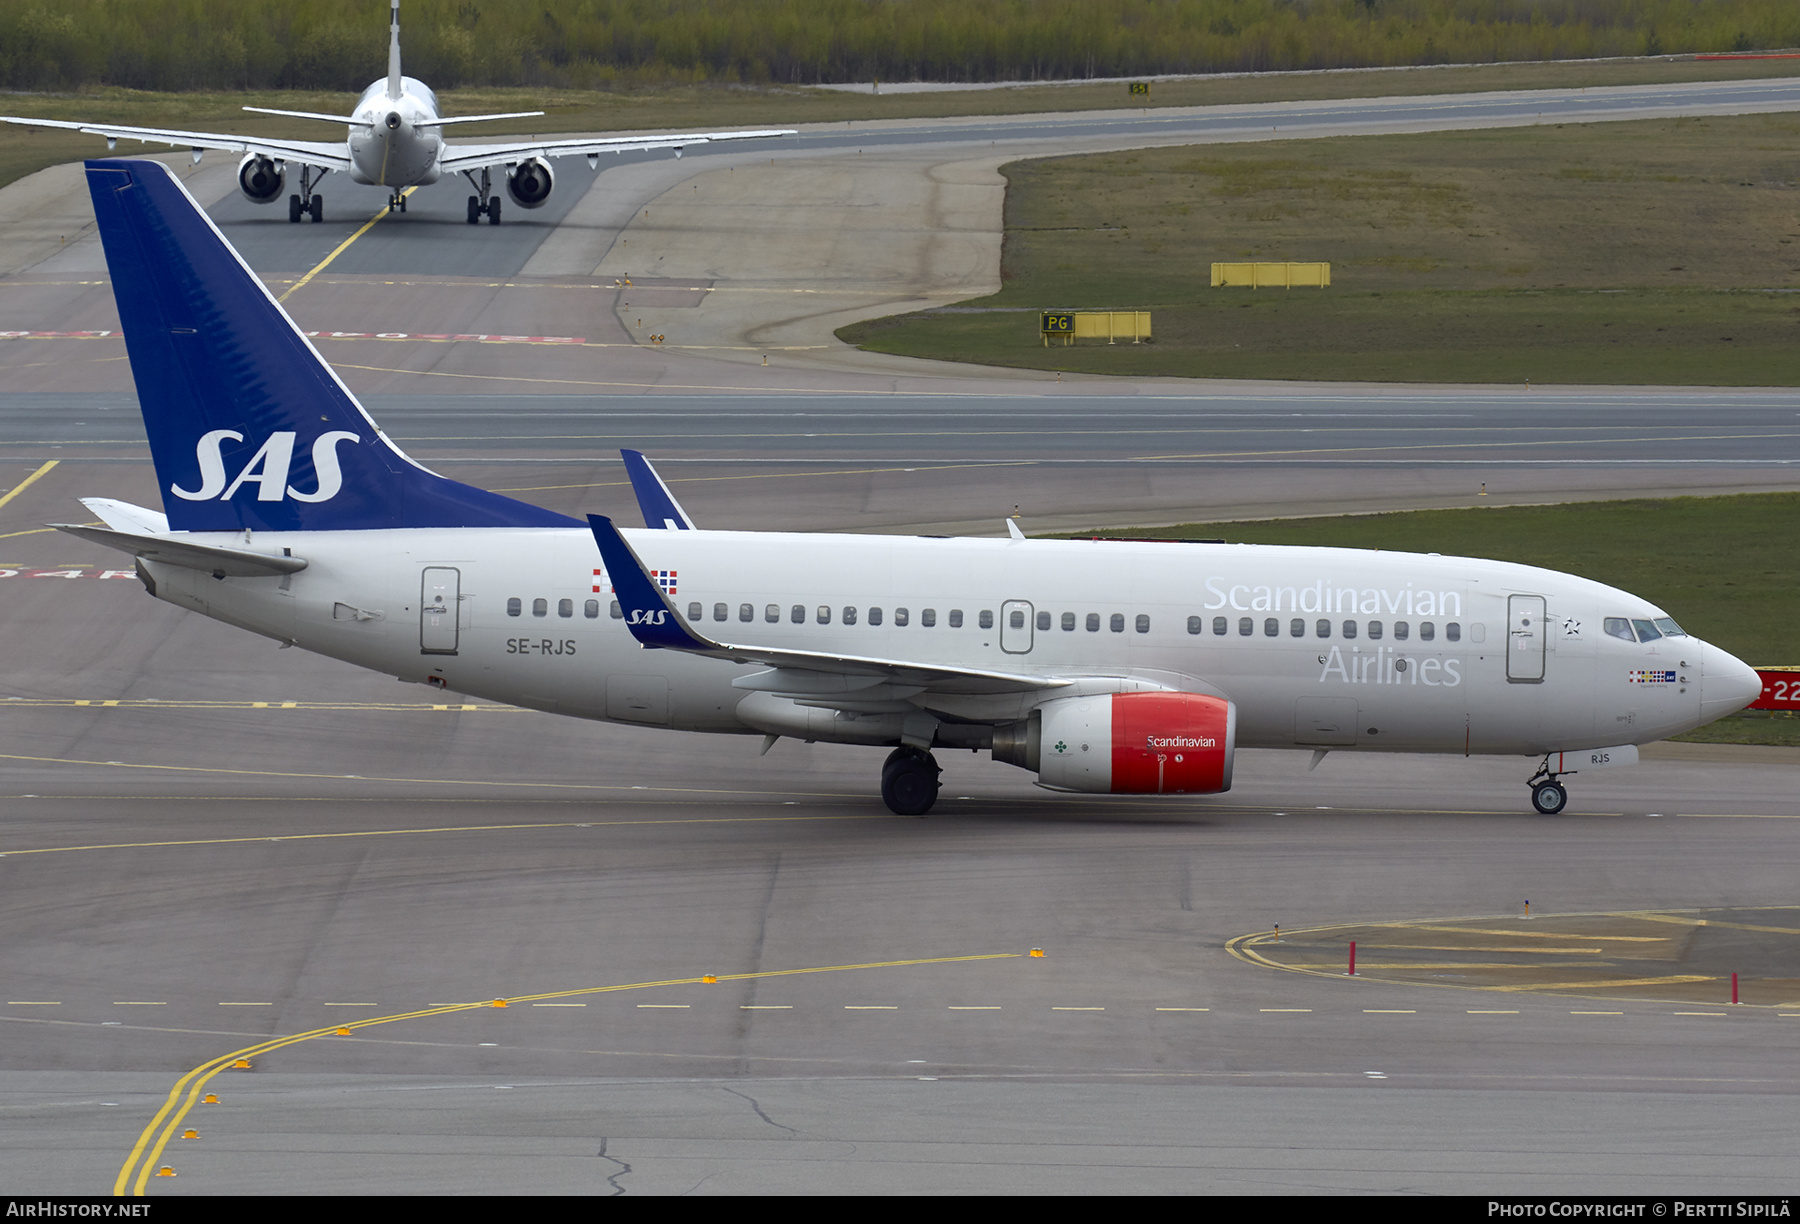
{"points": [[248, 426], [394, 53]]}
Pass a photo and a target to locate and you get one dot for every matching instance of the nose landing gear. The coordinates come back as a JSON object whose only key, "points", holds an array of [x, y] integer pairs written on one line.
{"points": [[909, 781], [1548, 795]]}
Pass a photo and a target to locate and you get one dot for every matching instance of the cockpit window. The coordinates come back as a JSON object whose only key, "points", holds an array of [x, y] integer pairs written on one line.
{"points": [[1669, 627], [1645, 630], [1619, 627]]}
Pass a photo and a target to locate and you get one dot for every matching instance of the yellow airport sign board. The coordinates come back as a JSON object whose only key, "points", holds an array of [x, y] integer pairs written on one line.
{"points": [[1112, 326], [1271, 275]]}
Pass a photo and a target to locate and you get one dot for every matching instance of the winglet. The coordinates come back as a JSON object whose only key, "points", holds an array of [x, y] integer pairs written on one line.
{"points": [[660, 508], [653, 620]]}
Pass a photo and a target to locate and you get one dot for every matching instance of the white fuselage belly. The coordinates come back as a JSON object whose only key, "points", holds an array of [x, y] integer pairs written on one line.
{"points": [[361, 599], [402, 156]]}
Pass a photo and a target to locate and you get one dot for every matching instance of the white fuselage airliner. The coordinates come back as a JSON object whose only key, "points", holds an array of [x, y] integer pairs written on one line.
{"points": [[395, 141], [1103, 667]]}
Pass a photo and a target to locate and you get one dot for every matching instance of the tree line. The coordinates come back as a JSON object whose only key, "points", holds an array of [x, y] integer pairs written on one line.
{"points": [[59, 45]]}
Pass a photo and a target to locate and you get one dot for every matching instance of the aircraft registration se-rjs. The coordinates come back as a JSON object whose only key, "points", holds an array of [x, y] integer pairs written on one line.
{"points": [[1103, 667], [396, 140]]}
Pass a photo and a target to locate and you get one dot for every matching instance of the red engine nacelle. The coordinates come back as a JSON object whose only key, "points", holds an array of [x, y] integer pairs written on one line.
{"points": [[529, 183], [261, 179], [1134, 744]]}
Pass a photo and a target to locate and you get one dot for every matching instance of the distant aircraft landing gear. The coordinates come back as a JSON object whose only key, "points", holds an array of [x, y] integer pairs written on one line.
{"points": [[306, 203], [909, 782], [486, 204], [1548, 795], [397, 202]]}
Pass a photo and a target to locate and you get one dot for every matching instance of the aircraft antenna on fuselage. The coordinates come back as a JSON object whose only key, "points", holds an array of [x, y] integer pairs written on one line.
{"points": [[394, 53]]}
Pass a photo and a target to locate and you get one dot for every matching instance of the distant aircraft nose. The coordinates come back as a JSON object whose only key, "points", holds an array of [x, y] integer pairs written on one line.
{"points": [[1727, 684]]}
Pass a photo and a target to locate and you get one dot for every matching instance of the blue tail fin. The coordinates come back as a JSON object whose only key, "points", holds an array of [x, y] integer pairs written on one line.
{"points": [[248, 426]]}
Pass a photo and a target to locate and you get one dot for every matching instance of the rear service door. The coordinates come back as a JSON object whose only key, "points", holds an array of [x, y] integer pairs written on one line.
{"points": [[439, 600]]}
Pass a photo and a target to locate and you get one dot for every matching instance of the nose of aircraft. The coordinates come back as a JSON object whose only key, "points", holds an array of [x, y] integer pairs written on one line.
{"points": [[1727, 684]]}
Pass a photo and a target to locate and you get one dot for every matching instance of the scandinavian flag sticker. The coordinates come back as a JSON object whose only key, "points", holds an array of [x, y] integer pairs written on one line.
{"points": [[665, 579], [599, 581]]}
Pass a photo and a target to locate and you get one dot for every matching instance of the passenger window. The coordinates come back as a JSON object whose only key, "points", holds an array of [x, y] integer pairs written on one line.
{"points": [[540, 607], [927, 618], [986, 619], [1400, 631], [1619, 627], [1017, 618], [746, 613], [1116, 622], [1220, 624], [591, 609], [824, 615], [1043, 620], [1246, 626], [1427, 631], [1453, 632], [514, 607], [1143, 623], [1645, 630], [956, 618], [617, 612], [695, 611], [772, 614], [797, 614], [1271, 627], [1068, 622], [1349, 629], [901, 616], [874, 616], [1323, 629], [1297, 628], [1195, 624], [1093, 622], [721, 611], [1374, 629], [849, 616], [565, 607]]}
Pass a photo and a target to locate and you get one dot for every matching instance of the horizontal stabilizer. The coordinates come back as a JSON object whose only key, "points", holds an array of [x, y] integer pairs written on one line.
{"points": [[207, 558], [352, 120]]}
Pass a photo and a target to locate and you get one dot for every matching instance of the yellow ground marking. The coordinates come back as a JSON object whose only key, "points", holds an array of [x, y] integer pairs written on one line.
{"points": [[186, 1092], [1408, 926], [26, 484], [500, 828], [1674, 979], [340, 249], [121, 703], [1730, 926], [35, 530]]}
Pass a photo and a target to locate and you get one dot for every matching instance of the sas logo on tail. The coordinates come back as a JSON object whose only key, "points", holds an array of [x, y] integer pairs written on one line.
{"points": [[267, 469], [640, 617]]}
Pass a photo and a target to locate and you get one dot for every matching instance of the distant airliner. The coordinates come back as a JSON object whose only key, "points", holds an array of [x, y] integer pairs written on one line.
{"points": [[1122, 668], [396, 141]]}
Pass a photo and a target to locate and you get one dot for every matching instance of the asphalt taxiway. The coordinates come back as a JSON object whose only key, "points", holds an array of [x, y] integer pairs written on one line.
{"points": [[213, 849]]}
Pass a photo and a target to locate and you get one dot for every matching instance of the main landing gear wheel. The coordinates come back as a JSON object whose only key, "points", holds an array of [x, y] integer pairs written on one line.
{"points": [[1549, 797], [909, 782], [475, 210], [494, 211], [294, 209], [316, 210]]}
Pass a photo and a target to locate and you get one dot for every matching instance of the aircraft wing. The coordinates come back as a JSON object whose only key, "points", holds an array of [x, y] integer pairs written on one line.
{"points": [[327, 155], [658, 625], [461, 157]]}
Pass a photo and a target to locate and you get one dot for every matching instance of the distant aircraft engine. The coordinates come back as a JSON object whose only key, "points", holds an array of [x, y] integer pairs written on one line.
{"points": [[261, 179], [1126, 743], [529, 183]]}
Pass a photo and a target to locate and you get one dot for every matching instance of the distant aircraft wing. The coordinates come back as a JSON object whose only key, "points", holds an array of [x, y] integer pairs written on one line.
{"points": [[332, 155], [660, 508], [461, 157], [658, 625]]}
